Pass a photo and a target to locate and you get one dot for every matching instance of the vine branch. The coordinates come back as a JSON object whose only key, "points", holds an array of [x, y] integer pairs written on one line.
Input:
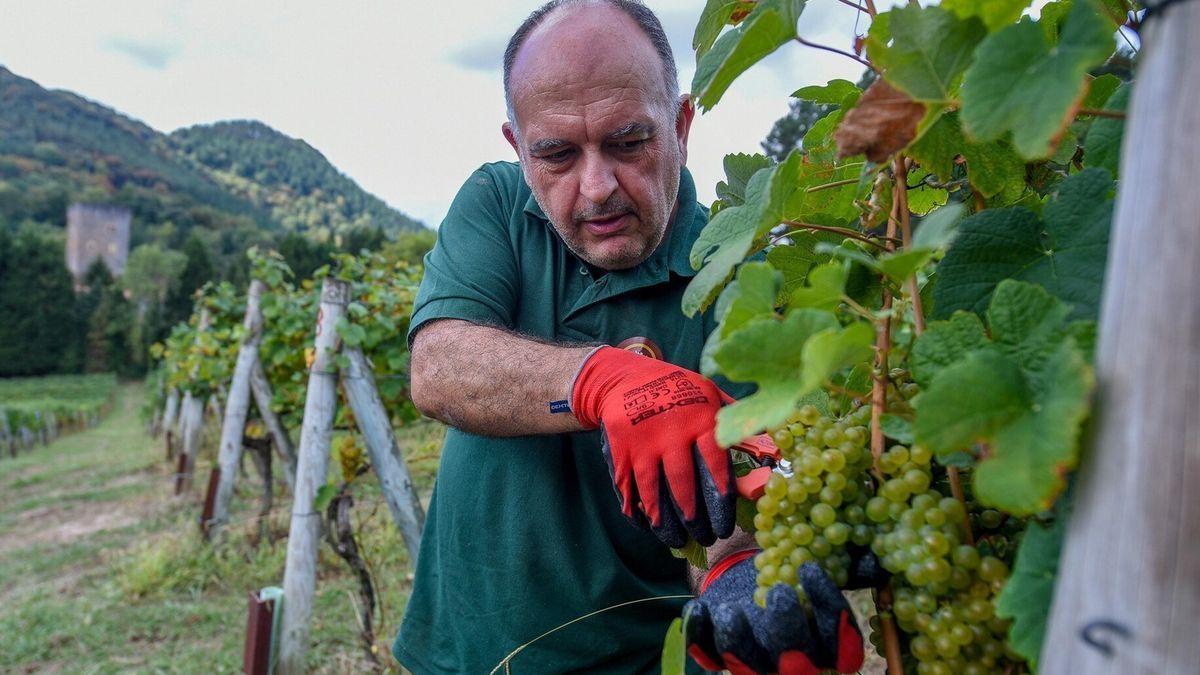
{"points": [[835, 50], [901, 171], [883, 344], [851, 234], [1099, 112]]}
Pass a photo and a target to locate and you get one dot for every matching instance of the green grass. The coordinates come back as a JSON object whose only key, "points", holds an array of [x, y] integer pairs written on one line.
{"points": [[104, 571]]}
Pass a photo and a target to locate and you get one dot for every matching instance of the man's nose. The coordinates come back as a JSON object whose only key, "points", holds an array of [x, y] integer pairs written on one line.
{"points": [[599, 179]]}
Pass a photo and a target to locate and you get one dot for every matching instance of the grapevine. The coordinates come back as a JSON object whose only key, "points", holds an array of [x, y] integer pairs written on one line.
{"points": [[913, 291]]}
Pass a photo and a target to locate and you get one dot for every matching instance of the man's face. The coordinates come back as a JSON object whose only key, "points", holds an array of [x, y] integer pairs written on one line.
{"points": [[600, 145]]}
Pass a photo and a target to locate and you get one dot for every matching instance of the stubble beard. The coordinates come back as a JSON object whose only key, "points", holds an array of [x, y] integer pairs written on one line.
{"points": [[630, 255]]}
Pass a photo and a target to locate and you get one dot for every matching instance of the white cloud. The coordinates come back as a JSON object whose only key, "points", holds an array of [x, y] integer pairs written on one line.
{"points": [[397, 95]]}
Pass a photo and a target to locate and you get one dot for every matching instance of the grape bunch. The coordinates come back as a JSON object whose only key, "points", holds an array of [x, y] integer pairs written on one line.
{"points": [[814, 514], [839, 500]]}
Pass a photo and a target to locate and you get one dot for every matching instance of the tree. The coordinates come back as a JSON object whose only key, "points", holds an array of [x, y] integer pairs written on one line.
{"points": [[151, 273], [197, 271], [303, 255], [37, 306]]}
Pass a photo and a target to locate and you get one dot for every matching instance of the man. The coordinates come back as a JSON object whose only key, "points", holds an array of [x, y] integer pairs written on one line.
{"points": [[584, 243]]}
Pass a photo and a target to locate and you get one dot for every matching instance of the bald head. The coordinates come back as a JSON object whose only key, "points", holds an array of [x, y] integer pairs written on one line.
{"points": [[585, 35]]}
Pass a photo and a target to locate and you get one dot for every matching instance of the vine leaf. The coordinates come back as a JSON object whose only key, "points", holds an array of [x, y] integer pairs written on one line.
{"points": [[794, 261], [787, 358], [1029, 590], [993, 167], [835, 92], [884, 121], [938, 229], [1021, 83], [757, 287], [1066, 254], [970, 400], [944, 343], [923, 50], [995, 14], [716, 15], [739, 168], [694, 553], [1102, 146], [826, 284], [769, 26], [674, 652], [1024, 393], [730, 235]]}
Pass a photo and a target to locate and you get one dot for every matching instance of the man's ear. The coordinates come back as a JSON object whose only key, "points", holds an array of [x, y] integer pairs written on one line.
{"points": [[683, 125], [511, 137]]}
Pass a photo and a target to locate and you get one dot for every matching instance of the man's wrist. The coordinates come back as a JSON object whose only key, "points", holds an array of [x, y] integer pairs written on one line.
{"points": [[571, 385]]}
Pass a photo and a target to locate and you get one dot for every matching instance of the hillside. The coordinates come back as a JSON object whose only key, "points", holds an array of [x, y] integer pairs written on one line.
{"points": [[57, 147], [288, 177]]}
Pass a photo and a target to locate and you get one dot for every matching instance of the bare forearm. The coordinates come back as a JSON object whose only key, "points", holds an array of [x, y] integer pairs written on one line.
{"points": [[740, 540], [488, 381]]}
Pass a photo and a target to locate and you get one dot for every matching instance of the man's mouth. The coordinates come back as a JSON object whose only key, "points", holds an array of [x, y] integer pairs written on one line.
{"points": [[602, 227]]}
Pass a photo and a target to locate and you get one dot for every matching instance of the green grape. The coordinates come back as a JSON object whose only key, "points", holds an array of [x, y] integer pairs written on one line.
{"points": [[784, 440], [776, 487], [823, 515], [837, 534], [992, 569], [808, 415], [990, 519]]}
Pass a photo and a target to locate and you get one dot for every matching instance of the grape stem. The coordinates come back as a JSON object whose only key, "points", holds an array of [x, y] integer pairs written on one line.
{"points": [[891, 638], [900, 168]]}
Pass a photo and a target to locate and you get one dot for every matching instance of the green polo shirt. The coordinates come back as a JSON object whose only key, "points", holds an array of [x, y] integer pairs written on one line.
{"points": [[524, 534]]}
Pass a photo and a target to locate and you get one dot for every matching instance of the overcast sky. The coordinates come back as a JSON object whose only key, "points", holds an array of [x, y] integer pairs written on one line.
{"points": [[404, 97]]}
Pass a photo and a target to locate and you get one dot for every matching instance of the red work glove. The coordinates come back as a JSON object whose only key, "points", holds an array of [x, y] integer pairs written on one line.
{"points": [[727, 630], [657, 424]]}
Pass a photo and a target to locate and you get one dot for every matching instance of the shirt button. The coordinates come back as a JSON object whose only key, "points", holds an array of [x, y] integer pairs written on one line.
{"points": [[583, 270]]}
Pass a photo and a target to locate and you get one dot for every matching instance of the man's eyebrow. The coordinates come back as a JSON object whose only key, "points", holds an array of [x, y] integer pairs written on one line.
{"points": [[546, 145], [632, 129]]}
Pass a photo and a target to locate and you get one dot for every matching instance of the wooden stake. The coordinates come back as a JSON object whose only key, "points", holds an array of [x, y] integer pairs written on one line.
{"points": [[386, 458], [320, 404], [237, 404], [1128, 585], [260, 387]]}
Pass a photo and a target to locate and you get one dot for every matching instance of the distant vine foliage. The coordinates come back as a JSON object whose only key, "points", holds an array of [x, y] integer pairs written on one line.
{"points": [[914, 292]]}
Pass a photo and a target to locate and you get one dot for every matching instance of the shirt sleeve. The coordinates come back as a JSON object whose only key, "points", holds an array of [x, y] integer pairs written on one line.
{"points": [[471, 273]]}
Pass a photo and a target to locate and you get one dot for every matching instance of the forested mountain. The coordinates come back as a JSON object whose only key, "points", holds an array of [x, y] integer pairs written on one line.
{"points": [[234, 178], [288, 177]]}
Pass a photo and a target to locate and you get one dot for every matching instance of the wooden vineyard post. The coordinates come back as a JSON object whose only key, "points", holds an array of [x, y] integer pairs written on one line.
{"points": [[237, 404], [260, 387], [168, 420], [385, 454], [191, 422], [1128, 588], [299, 577]]}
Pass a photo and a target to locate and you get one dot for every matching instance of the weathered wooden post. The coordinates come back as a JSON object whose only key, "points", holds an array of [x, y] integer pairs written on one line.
{"points": [[168, 420], [299, 577], [385, 454], [261, 388], [237, 404], [191, 422], [1129, 578]]}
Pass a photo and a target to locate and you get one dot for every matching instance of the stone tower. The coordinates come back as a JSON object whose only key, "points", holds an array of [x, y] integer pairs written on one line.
{"points": [[97, 231]]}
